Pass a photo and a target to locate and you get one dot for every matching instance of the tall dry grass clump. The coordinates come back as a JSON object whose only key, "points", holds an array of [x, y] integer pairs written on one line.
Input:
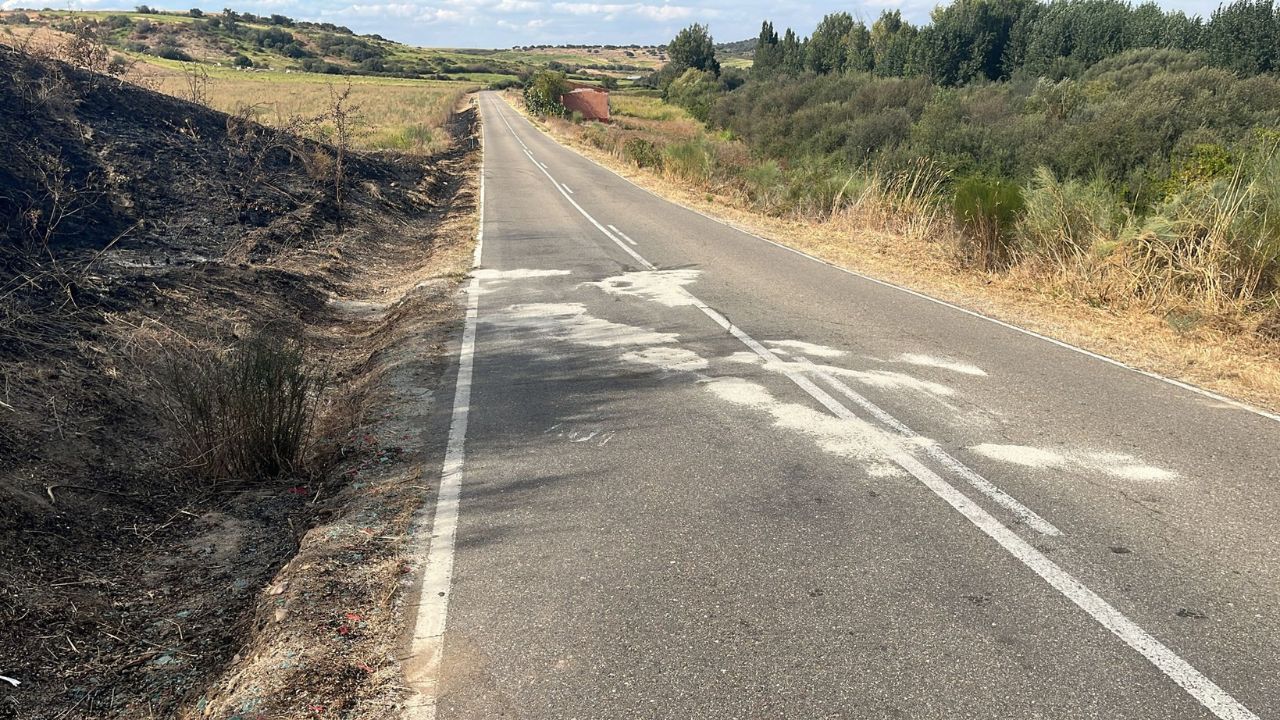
{"points": [[1215, 244], [988, 211], [1065, 222], [246, 413]]}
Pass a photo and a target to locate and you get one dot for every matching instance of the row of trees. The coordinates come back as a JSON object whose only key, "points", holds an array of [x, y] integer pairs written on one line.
{"points": [[992, 39]]}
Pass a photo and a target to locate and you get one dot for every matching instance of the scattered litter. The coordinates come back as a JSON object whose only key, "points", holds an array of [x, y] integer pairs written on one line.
{"points": [[11, 681]]}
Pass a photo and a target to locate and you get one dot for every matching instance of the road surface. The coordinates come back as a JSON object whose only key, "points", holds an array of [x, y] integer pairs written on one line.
{"points": [[693, 474]]}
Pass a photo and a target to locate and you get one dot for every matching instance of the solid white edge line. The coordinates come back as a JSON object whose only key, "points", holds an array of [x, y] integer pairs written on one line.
{"points": [[427, 644], [1237, 404], [1195, 683]]}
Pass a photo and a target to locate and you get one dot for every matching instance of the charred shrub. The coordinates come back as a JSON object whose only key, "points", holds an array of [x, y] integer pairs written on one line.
{"points": [[246, 413]]}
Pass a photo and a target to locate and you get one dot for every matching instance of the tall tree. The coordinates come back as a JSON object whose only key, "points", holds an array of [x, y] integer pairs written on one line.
{"points": [[891, 39], [694, 48], [826, 52], [1242, 37], [768, 56], [968, 40], [858, 56], [791, 53]]}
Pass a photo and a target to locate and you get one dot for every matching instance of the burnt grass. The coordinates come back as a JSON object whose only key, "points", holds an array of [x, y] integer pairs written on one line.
{"points": [[135, 223]]}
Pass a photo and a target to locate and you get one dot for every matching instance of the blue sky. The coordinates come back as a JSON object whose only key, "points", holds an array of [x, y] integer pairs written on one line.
{"points": [[504, 23]]}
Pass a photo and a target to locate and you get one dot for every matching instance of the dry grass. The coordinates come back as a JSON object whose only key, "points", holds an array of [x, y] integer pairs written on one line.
{"points": [[407, 116], [919, 248]]}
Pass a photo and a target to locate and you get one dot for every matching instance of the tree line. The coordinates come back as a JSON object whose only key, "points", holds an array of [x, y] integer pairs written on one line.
{"points": [[972, 40]]}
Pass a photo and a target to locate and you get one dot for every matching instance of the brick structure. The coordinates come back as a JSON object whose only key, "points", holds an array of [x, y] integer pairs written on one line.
{"points": [[592, 103]]}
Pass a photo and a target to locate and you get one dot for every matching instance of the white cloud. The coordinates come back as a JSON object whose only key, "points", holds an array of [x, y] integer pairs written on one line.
{"points": [[610, 11]]}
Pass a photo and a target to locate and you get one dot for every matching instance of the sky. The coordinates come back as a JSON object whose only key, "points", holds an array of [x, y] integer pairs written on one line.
{"points": [[506, 23]]}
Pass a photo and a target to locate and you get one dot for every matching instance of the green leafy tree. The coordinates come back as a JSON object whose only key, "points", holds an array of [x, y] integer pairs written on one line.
{"points": [[968, 40], [543, 92], [1242, 37], [693, 47], [768, 56], [891, 39], [858, 56], [791, 53], [827, 45]]}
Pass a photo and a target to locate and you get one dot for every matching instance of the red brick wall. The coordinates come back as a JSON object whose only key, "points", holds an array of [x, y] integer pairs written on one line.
{"points": [[593, 104]]}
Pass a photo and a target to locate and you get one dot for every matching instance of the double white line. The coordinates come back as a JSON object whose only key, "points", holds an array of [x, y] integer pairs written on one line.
{"points": [[1195, 683]]}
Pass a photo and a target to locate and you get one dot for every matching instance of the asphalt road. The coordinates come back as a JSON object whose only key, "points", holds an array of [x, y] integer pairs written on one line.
{"points": [[697, 475]]}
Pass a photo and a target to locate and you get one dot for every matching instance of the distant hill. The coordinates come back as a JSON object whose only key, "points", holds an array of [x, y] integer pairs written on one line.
{"points": [[252, 41], [738, 48]]}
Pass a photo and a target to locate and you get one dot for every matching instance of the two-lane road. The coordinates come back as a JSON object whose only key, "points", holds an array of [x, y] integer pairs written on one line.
{"points": [[693, 474]]}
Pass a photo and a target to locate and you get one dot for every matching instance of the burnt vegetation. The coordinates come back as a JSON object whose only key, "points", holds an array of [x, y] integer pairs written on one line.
{"points": [[164, 272]]}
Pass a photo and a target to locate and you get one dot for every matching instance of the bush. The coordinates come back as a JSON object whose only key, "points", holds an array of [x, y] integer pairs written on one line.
{"points": [[688, 160], [245, 414], [170, 52], [819, 188], [987, 211], [543, 92], [242, 61], [766, 185], [1216, 243], [1064, 219], [695, 91], [642, 152]]}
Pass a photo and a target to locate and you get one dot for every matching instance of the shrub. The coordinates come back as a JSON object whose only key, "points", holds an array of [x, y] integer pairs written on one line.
{"points": [[242, 61], [543, 92], [820, 189], [1216, 243], [987, 211], [688, 160], [247, 413], [766, 185], [171, 52], [695, 91], [1064, 219], [642, 152]]}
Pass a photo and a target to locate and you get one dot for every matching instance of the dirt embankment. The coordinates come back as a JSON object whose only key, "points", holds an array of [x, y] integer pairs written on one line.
{"points": [[134, 224]]}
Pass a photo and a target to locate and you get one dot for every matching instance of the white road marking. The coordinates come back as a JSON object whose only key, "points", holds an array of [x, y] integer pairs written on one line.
{"points": [[1117, 465], [623, 235], [427, 644], [942, 363], [942, 457], [1226, 401], [1195, 683], [566, 187]]}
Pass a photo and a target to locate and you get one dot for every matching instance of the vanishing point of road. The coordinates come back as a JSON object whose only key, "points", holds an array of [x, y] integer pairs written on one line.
{"points": [[694, 474]]}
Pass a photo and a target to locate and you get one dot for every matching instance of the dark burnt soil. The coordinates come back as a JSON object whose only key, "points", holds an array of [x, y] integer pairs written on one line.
{"points": [[134, 223]]}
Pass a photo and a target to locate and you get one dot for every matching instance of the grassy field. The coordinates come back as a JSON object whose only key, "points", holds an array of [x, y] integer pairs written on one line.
{"points": [[404, 115], [645, 57]]}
